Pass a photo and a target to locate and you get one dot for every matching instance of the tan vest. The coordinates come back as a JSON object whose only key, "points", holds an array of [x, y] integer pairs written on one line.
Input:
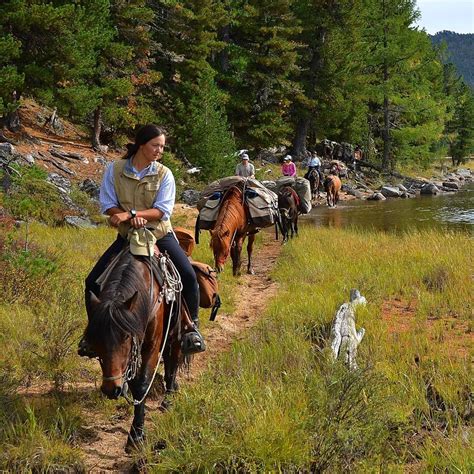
{"points": [[139, 194]]}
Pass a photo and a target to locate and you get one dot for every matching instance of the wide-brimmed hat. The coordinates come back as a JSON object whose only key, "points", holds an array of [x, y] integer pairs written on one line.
{"points": [[244, 156], [287, 158], [142, 242]]}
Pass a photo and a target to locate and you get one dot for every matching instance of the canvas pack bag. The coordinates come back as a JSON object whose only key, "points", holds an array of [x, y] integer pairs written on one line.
{"points": [[208, 287], [302, 188], [263, 206], [185, 239]]}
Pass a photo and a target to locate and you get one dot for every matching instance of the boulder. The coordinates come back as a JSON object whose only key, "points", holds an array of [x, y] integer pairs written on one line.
{"points": [[62, 183], [79, 222], [430, 188], [390, 191], [352, 191], [376, 197], [451, 185], [7, 149], [190, 197], [402, 188], [30, 159], [90, 187]]}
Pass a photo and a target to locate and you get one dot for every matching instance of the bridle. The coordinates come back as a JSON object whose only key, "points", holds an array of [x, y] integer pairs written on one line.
{"points": [[171, 289]]}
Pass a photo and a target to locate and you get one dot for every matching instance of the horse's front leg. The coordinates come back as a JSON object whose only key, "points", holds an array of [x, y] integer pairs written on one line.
{"points": [[250, 270], [235, 253], [171, 359], [137, 431]]}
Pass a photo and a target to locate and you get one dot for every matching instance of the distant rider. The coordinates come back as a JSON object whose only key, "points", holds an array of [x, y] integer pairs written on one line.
{"points": [[245, 168], [288, 168]]}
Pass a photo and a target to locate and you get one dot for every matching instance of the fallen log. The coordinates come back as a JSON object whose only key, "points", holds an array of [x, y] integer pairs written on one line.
{"points": [[344, 336]]}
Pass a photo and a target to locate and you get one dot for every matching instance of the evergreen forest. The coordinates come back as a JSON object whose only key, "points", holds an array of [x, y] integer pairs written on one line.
{"points": [[459, 51], [228, 74]]}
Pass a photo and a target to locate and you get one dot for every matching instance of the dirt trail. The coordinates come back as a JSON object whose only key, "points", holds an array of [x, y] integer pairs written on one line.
{"points": [[103, 450]]}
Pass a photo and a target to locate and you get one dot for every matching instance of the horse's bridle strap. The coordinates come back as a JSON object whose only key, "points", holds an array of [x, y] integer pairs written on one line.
{"points": [[111, 379]]}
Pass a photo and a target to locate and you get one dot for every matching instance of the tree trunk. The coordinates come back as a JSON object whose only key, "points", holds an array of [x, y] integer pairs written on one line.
{"points": [[299, 142], [97, 128], [223, 55], [386, 102]]}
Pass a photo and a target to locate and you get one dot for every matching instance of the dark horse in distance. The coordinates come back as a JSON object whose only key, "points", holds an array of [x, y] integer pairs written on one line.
{"points": [[314, 181], [131, 327], [288, 202], [231, 228]]}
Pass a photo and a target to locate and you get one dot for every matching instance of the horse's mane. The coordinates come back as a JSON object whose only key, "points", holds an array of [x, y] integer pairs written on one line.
{"points": [[111, 320], [228, 212]]}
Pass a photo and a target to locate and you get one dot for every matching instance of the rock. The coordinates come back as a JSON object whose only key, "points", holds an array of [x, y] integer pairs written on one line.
{"points": [[402, 188], [190, 196], [29, 159], [352, 191], [62, 183], [451, 185], [102, 148], [464, 172], [376, 197], [389, 191], [7, 149], [90, 187], [429, 188], [101, 160], [79, 222]]}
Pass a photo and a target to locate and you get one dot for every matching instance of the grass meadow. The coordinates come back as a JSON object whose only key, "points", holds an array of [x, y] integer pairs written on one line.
{"points": [[47, 392], [276, 401]]}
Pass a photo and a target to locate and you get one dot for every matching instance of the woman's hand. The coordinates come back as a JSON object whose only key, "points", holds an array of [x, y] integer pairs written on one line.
{"points": [[138, 222]]}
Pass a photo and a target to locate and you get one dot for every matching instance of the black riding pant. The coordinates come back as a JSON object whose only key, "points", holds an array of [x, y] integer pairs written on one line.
{"points": [[168, 244]]}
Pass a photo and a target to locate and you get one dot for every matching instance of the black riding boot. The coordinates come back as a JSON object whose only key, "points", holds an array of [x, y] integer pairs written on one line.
{"points": [[193, 342]]}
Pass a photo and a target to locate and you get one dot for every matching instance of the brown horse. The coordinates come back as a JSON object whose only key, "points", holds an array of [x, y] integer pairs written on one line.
{"points": [[332, 186], [131, 327], [288, 202], [229, 232]]}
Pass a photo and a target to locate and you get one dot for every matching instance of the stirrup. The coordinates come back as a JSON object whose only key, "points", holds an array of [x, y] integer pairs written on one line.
{"points": [[85, 350], [192, 342]]}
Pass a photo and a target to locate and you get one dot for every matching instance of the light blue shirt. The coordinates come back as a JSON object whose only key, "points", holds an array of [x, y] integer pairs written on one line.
{"points": [[164, 199], [314, 161]]}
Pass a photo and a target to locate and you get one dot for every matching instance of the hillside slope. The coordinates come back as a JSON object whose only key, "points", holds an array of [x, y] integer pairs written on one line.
{"points": [[460, 48]]}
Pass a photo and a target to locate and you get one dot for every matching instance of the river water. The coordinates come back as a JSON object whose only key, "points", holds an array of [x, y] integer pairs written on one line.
{"points": [[451, 211]]}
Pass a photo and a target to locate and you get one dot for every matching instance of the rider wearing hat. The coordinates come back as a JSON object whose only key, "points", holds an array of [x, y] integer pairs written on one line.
{"points": [[288, 168], [245, 168]]}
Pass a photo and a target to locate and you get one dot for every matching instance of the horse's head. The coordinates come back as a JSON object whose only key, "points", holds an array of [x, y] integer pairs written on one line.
{"points": [[231, 219], [221, 242], [114, 333]]}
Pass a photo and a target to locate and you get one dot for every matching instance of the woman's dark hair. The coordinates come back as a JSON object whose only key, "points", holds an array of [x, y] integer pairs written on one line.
{"points": [[143, 135]]}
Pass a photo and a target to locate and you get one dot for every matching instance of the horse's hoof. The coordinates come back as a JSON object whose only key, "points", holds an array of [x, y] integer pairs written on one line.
{"points": [[250, 271], [165, 405], [134, 444]]}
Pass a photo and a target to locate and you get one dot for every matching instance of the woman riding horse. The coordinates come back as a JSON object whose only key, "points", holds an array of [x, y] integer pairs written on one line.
{"points": [[139, 191]]}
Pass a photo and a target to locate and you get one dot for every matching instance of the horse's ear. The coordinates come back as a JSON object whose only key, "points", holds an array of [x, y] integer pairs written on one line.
{"points": [[212, 232], [93, 299], [128, 304]]}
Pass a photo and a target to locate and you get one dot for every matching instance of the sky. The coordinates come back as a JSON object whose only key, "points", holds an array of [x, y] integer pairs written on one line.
{"points": [[452, 15]]}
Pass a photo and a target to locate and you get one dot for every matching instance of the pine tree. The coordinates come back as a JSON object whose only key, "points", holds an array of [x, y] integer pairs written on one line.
{"points": [[330, 61], [209, 144], [405, 81], [462, 124], [10, 79], [262, 59]]}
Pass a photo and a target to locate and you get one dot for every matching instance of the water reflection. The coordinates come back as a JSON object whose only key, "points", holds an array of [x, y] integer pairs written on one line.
{"points": [[450, 211]]}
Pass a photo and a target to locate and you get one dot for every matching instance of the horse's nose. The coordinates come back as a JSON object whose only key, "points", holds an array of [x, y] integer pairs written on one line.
{"points": [[111, 393]]}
